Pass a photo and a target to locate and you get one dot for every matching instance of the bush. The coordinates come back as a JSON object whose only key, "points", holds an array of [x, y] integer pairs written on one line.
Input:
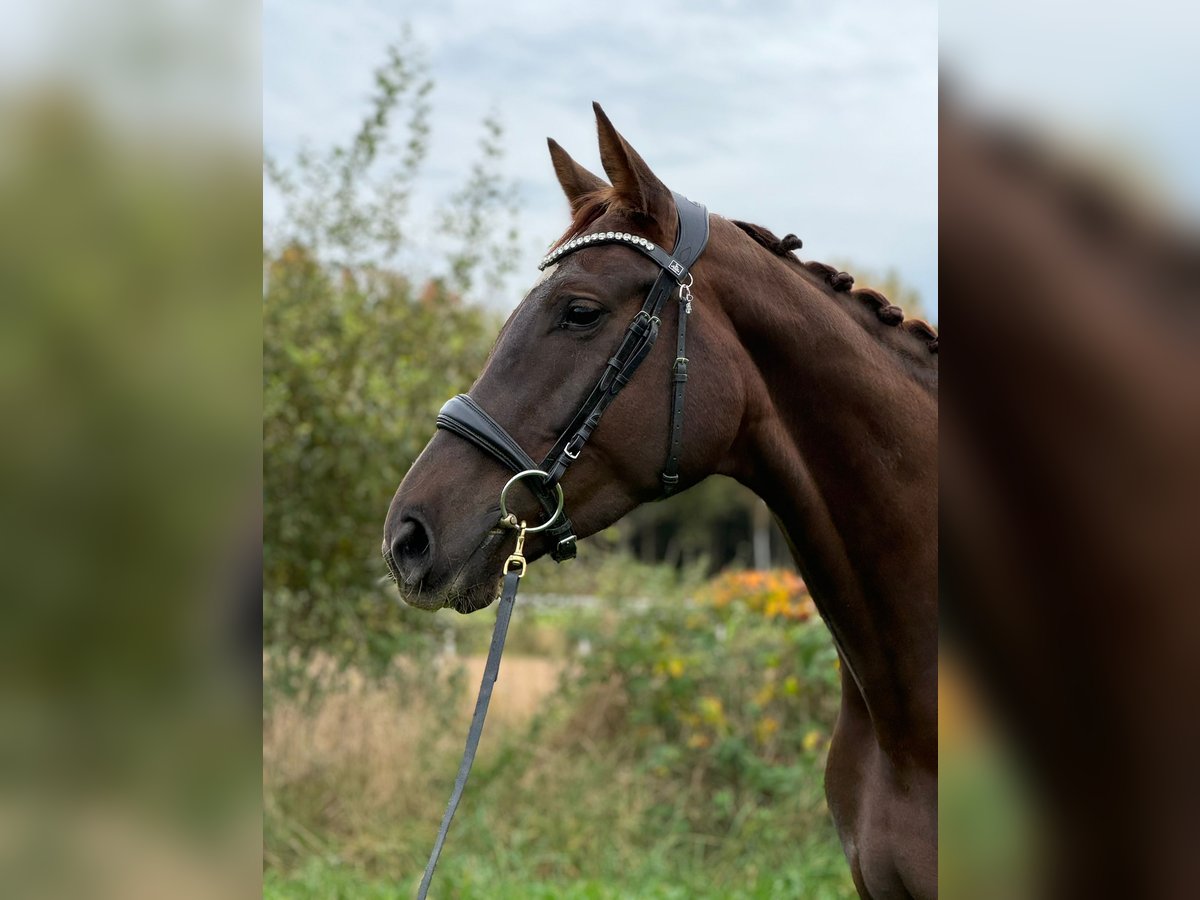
{"points": [[734, 692], [354, 371]]}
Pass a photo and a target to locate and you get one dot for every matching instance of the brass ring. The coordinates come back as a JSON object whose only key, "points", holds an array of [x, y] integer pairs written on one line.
{"points": [[545, 477]]}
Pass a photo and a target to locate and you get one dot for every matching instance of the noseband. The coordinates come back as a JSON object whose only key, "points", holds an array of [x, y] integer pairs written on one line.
{"points": [[463, 416]]}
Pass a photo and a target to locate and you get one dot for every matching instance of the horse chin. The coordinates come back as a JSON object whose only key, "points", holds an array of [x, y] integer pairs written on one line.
{"points": [[419, 599], [478, 597], [458, 597]]}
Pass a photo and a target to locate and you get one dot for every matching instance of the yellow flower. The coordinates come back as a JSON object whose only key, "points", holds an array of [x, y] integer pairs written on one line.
{"points": [[764, 728], [711, 710], [811, 739], [675, 667], [765, 694]]}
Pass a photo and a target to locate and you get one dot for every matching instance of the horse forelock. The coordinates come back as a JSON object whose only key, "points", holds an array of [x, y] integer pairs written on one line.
{"points": [[591, 207]]}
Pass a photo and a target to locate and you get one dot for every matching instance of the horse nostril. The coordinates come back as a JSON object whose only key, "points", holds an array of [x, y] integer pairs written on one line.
{"points": [[412, 553]]}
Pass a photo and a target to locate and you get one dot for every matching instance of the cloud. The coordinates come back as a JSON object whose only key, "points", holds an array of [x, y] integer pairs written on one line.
{"points": [[811, 117]]}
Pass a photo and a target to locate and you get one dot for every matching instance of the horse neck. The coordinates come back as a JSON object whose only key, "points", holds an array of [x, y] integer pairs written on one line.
{"points": [[840, 440]]}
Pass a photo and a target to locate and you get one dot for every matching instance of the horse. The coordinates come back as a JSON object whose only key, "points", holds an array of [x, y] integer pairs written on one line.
{"points": [[819, 398]]}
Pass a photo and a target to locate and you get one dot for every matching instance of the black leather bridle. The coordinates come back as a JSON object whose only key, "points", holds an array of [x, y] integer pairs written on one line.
{"points": [[463, 416], [466, 418]]}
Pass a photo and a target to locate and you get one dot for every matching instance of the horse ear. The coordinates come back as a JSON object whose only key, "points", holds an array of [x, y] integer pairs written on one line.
{"points": [[637, 187], [577, 182]]}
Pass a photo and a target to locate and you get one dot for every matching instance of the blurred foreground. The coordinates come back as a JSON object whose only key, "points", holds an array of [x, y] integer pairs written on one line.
{"points": [[1070, 499], [129, 462]]}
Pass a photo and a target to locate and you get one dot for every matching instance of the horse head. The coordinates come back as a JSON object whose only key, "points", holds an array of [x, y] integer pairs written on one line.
{"points": [[443, 539]]}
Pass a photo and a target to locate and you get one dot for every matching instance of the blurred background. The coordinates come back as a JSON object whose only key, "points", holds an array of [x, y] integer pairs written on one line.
{"points": [[667, 699]]}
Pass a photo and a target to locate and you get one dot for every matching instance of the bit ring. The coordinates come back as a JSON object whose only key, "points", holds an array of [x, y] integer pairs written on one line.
{"points": [[504, 513]]}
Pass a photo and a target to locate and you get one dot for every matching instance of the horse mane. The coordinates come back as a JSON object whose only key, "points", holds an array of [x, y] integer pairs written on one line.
{"points": [[838, 282], [593, 205]]}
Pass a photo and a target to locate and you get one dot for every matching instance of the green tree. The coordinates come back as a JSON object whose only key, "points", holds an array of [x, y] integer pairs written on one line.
{"points": [[348, 204], [357, 359], [354, 373], [480, 247]]}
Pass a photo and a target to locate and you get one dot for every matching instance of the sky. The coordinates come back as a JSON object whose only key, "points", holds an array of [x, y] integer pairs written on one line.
{"points": [[808, 117], [1102, 76]]}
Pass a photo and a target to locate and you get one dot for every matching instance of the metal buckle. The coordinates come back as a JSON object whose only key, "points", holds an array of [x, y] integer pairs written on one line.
{"points": [[685, 294], [567, 451], [518, 555]]}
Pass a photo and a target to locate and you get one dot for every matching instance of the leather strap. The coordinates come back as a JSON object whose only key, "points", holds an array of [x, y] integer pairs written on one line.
{"points": [[692, 237], [491, 670], [693, 233], [635, 346], [679, 375], [466, 418]]}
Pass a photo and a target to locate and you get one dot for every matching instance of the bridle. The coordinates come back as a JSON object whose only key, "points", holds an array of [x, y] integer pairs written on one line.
{"points": [[463, 416]]}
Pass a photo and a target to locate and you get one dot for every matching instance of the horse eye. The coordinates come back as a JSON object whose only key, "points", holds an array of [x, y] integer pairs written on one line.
{"points": [[579, 316]]}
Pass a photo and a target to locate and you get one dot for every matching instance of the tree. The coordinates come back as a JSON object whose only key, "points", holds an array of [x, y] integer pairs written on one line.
{"points": [[357, 359], [349, 205]]}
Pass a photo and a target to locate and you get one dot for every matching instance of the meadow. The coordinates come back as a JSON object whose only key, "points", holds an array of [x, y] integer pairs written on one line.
{"points": [[659, 748]]}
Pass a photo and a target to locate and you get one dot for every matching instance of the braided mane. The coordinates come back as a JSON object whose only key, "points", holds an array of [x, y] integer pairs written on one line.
{"points": [[842, 283], [597, 203]]}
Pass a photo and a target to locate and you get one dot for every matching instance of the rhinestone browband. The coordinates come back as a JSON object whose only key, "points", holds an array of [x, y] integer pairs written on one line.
{"points": [[605, 236]]}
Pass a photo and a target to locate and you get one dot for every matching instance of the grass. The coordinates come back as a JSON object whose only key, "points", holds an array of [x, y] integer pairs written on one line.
{"points": [[330, 880], [559, 804]]}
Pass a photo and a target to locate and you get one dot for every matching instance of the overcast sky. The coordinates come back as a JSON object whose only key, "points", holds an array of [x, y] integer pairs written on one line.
{"points": [[808, 117]]}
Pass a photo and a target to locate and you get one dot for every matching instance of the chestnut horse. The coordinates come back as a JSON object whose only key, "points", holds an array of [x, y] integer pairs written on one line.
{"points": [[818, 398]]}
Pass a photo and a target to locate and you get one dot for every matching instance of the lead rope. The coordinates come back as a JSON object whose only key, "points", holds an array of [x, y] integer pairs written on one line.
{"points": [[514, 571], [508, 598]]}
